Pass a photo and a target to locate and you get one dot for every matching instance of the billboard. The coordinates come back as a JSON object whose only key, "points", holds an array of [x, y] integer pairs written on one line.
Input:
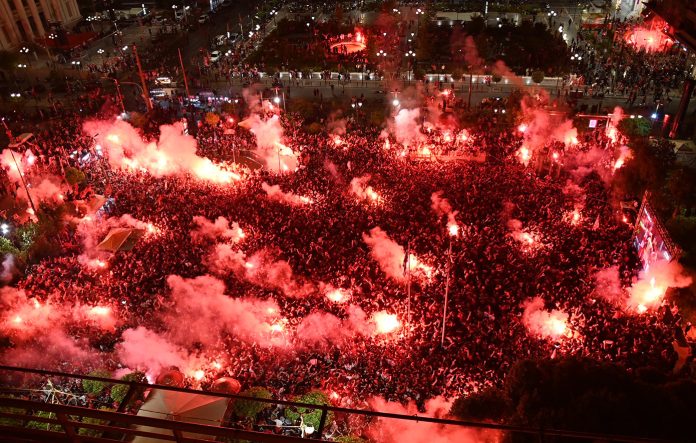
{"points": [[651, 238]]}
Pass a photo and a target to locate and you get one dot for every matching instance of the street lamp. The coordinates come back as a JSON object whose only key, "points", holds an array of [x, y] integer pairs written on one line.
{"points": [[16, 144], [4, 228], [395, 102], [453, 231]]}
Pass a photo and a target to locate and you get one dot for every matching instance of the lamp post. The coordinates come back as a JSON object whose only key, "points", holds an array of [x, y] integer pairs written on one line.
{"points": [[453, 231], [13, 145]]}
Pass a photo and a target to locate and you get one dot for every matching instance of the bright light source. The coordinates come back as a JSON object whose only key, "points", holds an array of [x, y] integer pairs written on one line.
{"points": [[276, 100], [4, 228], [395, 102]]}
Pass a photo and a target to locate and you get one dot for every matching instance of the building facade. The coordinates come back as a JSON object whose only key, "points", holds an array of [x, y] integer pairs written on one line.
{"points": [[27, 20]]}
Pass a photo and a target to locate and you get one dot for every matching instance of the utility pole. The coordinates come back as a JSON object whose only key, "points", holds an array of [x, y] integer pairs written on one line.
{"points": [[146, 94], [183, 70]]}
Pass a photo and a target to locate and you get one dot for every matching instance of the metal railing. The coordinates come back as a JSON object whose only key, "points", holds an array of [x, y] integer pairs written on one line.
{"points": [[119, 424]]}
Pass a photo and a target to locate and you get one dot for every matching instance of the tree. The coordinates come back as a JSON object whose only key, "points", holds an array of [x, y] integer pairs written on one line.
{"points": [[250, 408], [590, 396], [74, 176], [489, 404], [496, 78], [311, 417], [635, 127], [538, 76], [119, 391], [96, 387], [681, 185]]}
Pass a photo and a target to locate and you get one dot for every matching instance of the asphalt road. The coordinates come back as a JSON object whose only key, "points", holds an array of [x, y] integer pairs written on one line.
{"points": [[227, 19]]}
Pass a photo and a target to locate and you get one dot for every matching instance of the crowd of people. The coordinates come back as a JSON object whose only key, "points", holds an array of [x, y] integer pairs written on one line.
{"points": [[491, 275], [645, 75]]}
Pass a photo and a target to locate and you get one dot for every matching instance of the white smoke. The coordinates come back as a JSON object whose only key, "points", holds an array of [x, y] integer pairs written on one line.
{"points": [[276, 194]]}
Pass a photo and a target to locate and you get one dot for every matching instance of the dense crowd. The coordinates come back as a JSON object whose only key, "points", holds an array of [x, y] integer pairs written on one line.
{"points": [[644, 76], [492, 274]]}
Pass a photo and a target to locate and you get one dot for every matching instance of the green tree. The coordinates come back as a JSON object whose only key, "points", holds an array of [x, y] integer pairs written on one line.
{"points": [[635, 127], [119, 391], [489, 404], [538, 76], [74, 176], [590, 396], [26, 234], [311, 416], [96, 387], [251, 408], [681, 185]]}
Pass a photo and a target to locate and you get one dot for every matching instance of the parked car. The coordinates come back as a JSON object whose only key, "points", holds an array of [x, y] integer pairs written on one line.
{"points": [[234, 38], [158, 20], [215, 56], [203, 18]]}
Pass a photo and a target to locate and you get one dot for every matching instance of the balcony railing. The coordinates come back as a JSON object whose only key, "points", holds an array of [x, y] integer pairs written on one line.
{"points": [[22, 419]]}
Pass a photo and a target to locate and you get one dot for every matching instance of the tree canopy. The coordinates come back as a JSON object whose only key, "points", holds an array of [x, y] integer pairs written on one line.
{"points": [[590, 396]]}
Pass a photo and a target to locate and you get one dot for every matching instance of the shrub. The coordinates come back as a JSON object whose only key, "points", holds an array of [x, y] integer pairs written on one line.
{"points": [[43, 425], [96, 387], [88, 432], [251, 408], [497, 78], [311, 417]]}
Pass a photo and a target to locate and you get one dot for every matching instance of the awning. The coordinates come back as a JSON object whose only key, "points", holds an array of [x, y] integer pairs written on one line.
{"points": [[182, 406], [120, 239]]}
